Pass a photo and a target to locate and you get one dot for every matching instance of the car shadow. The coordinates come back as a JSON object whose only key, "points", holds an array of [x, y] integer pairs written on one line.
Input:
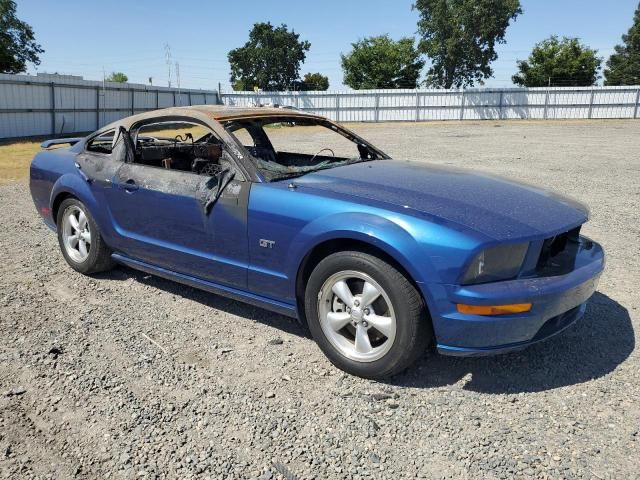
{"points": [[591, 348], [218, 302]]}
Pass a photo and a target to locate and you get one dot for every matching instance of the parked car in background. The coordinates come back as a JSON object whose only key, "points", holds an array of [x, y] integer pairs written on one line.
{"points": [[380, 258]]}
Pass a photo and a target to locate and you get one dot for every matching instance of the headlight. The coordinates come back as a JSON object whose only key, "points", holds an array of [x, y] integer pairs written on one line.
{"points": [[496, 263]]}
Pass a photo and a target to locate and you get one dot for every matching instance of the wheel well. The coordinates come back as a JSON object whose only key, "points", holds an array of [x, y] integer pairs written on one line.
{"points": [[56, 204], [325, 249]]}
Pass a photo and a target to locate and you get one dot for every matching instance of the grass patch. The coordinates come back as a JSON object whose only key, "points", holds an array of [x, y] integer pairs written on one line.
{"points": [[16, 155], [15, 158]]}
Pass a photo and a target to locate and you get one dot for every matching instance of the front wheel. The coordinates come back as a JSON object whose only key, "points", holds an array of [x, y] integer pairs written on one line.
{"points": [[365, 315]]}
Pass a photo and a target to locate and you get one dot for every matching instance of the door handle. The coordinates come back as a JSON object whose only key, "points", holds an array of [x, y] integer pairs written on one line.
{"points": [[82, 174], [130, 186]]}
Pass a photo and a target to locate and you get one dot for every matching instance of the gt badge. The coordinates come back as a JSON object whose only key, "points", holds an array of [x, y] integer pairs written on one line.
{"points": [[267, 243]]}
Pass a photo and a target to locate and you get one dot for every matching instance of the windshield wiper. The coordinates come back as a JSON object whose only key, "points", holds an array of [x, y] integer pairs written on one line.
{"points": [[299, 173], [283, 176]]}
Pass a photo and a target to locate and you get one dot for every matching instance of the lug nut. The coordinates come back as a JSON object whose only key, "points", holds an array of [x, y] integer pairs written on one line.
{"points": [[366, 311], [348, 310], [356, 303], [365, 324]]}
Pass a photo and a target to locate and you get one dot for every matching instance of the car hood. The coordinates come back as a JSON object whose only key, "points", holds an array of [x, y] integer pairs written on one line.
{"points": [[496, 207]]}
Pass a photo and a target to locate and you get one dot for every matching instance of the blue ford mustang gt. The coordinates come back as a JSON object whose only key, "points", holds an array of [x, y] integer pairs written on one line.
{"points": [[289, 211]]}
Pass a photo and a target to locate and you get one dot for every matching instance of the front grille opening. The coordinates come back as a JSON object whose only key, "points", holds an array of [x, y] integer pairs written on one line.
{"points": [[558, 254]]}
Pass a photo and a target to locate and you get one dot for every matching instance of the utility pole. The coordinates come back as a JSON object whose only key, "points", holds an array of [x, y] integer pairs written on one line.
{"points": [[178, 82], [167, 58]]}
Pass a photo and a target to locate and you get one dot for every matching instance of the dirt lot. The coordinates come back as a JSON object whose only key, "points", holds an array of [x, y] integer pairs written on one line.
{"points": [[125, 375]]}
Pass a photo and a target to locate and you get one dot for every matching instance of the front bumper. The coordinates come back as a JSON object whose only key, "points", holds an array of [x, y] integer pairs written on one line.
{"points": [[558, 301]]}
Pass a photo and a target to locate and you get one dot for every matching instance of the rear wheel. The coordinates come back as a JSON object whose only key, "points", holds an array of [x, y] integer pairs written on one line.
{"points": [[365, 315], [80, 241]]}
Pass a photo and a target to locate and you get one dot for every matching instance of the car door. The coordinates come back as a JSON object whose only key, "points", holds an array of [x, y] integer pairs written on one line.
{"points": [[162, 218]]}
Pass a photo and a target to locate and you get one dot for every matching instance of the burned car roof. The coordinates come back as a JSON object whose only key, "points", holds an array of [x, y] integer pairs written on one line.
{"points": [[223, 113], [218, 113]]}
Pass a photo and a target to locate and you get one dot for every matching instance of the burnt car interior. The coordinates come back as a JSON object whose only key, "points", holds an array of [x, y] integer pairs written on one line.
{"points": [[318, 145], [178, 145]]}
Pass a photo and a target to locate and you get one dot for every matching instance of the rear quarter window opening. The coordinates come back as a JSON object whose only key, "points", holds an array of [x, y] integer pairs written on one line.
{"points": [[102, 143]]}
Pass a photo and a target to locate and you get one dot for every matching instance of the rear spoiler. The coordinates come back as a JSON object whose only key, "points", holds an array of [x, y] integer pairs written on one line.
{"points": [[60, 141]]}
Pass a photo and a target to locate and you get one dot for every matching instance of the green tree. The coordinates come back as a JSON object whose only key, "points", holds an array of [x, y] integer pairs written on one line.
{"points": [[117, 77], [314, 81], [459, 38], [623, 67], [556, 62], [380, 62], [270, 60], [17, 41]]}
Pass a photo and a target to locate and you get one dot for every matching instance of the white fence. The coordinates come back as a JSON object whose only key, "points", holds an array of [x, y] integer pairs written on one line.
{"points": [[54, 105], [470, 104]]}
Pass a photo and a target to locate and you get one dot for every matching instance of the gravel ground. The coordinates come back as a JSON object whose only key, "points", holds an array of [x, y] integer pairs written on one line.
{"points": [[126, 375]]}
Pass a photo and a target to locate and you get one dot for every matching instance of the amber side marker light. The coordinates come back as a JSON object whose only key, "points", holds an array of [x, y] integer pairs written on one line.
{"points": [[494, 309]]}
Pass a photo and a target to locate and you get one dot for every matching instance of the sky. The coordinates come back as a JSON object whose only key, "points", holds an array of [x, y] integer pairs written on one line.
{"points": [[88, 38]]}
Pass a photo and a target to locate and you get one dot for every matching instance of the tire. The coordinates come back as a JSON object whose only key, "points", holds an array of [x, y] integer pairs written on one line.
{"points": [[80, 240], [396, 324]]}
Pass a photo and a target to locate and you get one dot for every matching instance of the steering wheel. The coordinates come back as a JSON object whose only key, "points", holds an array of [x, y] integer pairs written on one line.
{"points": [[181, 139], [323, 150]]}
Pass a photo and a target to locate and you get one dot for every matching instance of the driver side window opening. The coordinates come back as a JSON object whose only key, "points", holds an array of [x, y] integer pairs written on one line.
{"points": [[287, 147], [178, 145]]}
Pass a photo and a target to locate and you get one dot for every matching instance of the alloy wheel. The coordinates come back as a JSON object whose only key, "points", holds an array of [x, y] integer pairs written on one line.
{"points": [[356, 316], [76, 234]]}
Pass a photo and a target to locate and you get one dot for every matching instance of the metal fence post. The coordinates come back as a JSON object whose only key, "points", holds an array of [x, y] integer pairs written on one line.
{"points": [[157, 99], [591, 102], [462, 106], [189, 97], [546, 103], [376, 114], [500, 105], [337, 107], [635, 113], [97, 108], [174, 98], [53, 108], [417, 105]]}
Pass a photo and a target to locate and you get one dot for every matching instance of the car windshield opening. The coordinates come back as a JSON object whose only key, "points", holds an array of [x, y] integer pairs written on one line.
{"points": [[290, 147]]}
